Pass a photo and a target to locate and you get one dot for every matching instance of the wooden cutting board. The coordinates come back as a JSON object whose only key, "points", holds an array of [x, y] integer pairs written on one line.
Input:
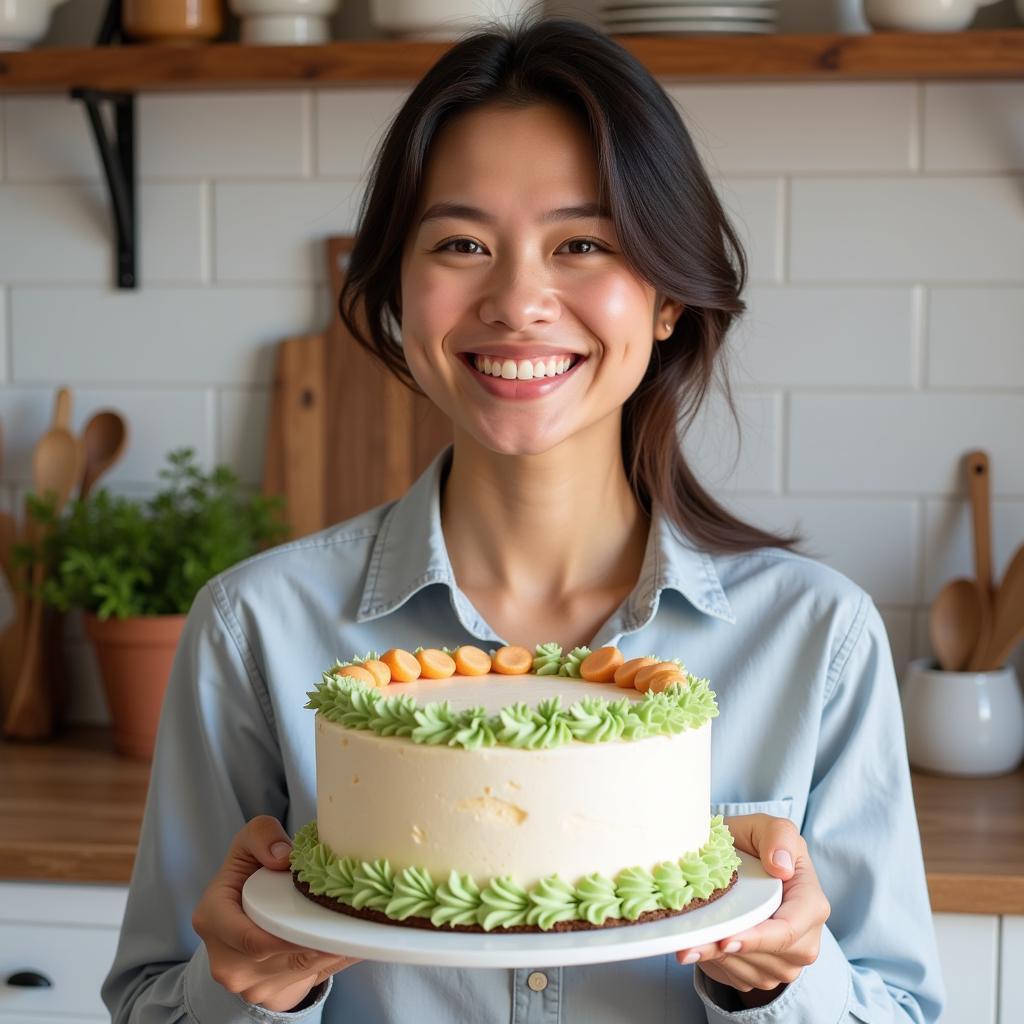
{"points": [[343, 434]]}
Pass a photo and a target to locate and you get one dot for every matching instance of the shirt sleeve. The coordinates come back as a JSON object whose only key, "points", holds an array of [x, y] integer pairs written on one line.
{"points": [[216, 766], [878, 962]]}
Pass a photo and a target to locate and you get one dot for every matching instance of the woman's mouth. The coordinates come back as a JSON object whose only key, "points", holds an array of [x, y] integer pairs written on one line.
{"points": [[531, 377]]}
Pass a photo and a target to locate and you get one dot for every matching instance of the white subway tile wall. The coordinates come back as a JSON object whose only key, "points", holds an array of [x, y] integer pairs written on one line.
{"points": [[883, 223]]}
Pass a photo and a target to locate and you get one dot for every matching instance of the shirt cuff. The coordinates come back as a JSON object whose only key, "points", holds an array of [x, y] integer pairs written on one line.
{"points": [[209, 1002], [820, 995]]}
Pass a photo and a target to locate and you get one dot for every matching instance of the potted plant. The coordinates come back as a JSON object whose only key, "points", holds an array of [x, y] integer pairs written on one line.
{"points": [[133, 567]]}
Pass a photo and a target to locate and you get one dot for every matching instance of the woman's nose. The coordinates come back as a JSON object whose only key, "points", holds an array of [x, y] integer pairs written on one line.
{"points": [[518, 296]]}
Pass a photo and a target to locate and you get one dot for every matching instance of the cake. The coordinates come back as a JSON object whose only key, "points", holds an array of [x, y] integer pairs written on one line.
{"points": [[513, 791]]}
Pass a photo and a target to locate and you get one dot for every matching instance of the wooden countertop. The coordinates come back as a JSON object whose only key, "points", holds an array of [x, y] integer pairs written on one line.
{"points": [[70, 811]]}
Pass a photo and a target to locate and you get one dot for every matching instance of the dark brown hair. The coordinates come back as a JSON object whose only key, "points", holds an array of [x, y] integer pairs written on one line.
{"points": [[671, 226]]}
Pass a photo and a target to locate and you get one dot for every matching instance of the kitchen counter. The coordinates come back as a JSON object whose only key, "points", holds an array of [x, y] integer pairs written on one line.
{"points": [[70, 811]]}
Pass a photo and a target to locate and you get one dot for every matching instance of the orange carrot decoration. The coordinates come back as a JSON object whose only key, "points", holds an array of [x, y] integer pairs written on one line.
{"points": [[379, 670], [600, 666], [356, 672], [404, 667], [626, 673], [435, 664], [642, 680], [512, 661], [471, 661], [663, 680]]}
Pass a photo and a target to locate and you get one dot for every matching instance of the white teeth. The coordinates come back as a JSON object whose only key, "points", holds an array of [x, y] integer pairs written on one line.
{"points": [[523, 369]]}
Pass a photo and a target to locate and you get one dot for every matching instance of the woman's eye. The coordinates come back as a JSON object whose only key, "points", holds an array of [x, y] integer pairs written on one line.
{"points": [[446, 246]]}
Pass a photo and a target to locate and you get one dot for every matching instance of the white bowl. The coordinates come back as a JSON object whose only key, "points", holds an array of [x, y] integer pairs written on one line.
{"points": [[24, 22], [963, 723], [284, 29], [280, 8], [922, 15], [285, 22], [440, 19]]}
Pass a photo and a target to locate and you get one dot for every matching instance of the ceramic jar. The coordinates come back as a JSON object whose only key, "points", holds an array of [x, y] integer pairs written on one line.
{"points": [[285, 21], [963, 723], [24, 22], [173, 21]]}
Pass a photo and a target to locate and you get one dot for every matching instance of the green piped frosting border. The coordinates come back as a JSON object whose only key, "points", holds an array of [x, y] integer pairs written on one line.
{"points": [[503, 902], [352, 703]]}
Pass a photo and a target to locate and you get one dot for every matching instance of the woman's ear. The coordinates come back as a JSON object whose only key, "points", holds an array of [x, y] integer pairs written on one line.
{"points": [[668, 315]]}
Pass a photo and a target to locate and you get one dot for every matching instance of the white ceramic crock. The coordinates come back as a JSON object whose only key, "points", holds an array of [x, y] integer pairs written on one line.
{"points": [[285, 21], [923, 15], [963, 723], [24, 22]]}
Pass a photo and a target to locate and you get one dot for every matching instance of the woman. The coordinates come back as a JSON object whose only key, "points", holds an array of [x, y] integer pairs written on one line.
{"points": [[538, 211]]}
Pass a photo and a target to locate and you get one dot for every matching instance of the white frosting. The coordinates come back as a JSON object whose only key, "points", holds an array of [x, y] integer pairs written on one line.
{"points": [[495, 691], [569, 810]]}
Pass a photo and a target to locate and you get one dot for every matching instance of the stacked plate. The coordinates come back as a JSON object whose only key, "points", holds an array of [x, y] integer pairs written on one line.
{"points": [[689, 17]]}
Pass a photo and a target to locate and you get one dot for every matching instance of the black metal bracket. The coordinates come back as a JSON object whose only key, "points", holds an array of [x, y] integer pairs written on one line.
{"points": [[117, 153]]}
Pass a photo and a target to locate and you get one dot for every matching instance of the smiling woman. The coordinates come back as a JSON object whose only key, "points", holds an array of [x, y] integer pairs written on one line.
{"points": [[541, 253]]}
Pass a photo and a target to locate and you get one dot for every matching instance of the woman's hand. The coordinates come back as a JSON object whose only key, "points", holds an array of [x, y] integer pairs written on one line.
{"points": [[244, 958], [772, 954]]}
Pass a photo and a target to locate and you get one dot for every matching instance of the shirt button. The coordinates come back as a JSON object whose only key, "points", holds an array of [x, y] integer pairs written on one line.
{"points": [[538, 981]]}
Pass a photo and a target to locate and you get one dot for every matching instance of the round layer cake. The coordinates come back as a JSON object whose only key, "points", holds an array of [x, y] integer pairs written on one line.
{"points": [[523, 801]]}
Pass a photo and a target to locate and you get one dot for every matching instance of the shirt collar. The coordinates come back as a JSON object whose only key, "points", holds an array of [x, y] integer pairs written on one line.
{"points": [[410, 554]]}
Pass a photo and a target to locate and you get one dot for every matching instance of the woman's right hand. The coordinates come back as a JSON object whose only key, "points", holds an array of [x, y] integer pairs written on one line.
{"points": [[244, 958]]}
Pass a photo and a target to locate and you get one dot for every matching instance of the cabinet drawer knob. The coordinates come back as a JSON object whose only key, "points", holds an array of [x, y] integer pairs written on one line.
{"points": [[29, 979]]}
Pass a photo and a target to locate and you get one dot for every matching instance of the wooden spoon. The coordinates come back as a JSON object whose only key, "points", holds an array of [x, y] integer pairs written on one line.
{"points": [[54, 470], [1008, 618], [104, 440], [978, 484], [955, 622]]}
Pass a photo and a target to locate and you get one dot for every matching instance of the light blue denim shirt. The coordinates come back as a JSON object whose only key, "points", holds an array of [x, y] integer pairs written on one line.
{"points": [[810, 729]]}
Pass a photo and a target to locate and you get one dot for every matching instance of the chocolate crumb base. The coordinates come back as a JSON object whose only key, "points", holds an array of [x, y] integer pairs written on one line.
{"points": [[562, 926]]}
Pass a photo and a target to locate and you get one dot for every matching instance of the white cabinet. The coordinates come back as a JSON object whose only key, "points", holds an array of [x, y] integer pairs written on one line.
{"points": [[1011, 971], [63, 934], [969, 951], [68, 934]]}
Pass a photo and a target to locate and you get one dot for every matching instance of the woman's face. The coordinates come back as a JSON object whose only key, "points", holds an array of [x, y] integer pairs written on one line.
{"points": [[525, 328]]}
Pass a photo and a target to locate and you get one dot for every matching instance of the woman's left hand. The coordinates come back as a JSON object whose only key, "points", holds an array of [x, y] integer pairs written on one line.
{"points": [[773, 953]]}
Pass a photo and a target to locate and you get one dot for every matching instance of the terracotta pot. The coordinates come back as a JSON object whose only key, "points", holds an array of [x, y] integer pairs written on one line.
{"points": [[135, 658], [173, 21]]}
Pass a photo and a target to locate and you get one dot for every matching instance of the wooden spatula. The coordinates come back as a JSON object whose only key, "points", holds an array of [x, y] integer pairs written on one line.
{"points": [[979, 488], [56, 464], [1008, 619]]}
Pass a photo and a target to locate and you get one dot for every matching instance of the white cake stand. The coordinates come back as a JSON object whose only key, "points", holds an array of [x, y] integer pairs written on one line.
{"points": [[272, 901]]}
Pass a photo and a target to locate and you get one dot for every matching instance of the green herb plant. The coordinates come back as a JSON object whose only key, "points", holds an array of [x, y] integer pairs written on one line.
{"points": [[122, 557]]}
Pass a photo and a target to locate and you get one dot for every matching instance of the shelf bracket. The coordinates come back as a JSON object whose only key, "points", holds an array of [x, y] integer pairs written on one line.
{"points": [[117, 153]]}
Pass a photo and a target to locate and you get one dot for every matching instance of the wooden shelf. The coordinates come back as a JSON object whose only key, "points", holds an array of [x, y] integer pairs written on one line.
{"points": [[980, 54]]}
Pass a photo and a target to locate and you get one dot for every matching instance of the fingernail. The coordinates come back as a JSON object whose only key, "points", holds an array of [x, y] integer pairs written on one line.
{"points": [[782, 859], [281, 849], [732, 947], [692, 957]]}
